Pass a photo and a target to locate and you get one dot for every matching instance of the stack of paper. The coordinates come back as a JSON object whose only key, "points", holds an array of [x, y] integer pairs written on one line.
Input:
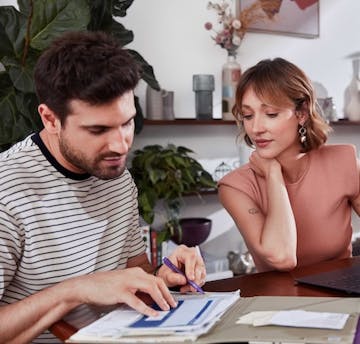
{"points": [[194, 316], [295, 318]]}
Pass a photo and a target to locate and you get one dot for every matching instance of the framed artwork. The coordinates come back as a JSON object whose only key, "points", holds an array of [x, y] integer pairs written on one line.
{"points": [[286, 17]]}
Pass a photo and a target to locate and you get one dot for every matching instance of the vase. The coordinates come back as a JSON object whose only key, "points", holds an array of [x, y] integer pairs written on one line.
{"points": [[231, 72], [203, 86], [154, 103], [352, 93]]}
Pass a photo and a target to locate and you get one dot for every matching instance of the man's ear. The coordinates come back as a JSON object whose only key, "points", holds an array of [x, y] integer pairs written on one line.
{"points": [[50, 121]]}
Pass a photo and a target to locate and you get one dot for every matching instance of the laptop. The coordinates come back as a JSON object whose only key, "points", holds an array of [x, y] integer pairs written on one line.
{"points": [[344, 279]]}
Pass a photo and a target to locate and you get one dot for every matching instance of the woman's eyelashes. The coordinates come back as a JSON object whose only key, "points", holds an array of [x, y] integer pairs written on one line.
{"points": [[247, 117]]}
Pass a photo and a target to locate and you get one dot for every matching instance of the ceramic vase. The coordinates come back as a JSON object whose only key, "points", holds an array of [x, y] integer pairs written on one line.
{"points": [[352, 94], [231, 72]]}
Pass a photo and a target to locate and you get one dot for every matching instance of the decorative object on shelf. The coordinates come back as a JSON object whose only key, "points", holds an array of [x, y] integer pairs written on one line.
{"points": [[222, 170], [154, 103], [230, 37], [194, 231], [241, 264], [159, 104], [352, 92], [328, 109], [168, 106], [231, 72], [166, 174], [203, 86]]}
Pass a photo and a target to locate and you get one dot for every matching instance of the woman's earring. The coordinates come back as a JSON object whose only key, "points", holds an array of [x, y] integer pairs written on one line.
{"points": [[302, 134]]}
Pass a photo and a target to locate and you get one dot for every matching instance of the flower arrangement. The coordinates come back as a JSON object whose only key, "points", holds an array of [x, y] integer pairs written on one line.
{"points": [[234, 28]]}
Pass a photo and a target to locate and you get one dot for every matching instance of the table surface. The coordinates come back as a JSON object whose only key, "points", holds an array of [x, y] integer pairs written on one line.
{"points": [[272, 283]]}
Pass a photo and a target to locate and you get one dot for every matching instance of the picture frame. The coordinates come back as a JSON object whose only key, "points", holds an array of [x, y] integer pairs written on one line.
{"points": [[298, 18]]}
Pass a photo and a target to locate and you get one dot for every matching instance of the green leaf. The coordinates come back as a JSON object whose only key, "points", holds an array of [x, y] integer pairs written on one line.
{"points": [[100, 15], [119, 7], [147, 72], [27, 104], [21, 76], [13, 126], [12, 32], [5, 84], [51, 18], [123, 35]]}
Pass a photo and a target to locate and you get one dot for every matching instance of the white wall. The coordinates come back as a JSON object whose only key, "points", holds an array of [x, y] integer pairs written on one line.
{"points": [[171, 36]]}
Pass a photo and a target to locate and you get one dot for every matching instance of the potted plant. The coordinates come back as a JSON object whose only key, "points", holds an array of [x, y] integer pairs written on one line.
{"points": [[167, 174], [26, 32]]}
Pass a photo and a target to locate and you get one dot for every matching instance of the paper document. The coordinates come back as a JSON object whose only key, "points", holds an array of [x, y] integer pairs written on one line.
{"points": [[194, 315], [296, 318]]}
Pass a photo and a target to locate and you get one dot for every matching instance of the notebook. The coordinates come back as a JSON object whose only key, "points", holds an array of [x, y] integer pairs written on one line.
{"points": [[344, 279]]}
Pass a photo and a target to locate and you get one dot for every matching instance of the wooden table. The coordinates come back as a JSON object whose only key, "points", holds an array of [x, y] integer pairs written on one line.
{"points": [[272, 283]]}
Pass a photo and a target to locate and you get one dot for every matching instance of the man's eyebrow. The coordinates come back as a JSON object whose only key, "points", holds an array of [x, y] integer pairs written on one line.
{"points": [[95, 126]]}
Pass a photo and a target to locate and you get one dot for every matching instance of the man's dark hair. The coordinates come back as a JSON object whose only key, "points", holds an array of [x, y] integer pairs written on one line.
{"points": [[88, 66]]}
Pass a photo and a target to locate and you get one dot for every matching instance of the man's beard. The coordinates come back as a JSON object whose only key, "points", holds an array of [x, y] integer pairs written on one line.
{"points": [[92, 167]]}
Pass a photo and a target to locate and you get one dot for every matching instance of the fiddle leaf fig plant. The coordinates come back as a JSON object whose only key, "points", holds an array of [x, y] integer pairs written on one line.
{"points": [[167, 174], [25, 32]]}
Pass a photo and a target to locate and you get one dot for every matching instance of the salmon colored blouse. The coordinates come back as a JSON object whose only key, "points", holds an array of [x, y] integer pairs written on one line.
{"points": [[320, 200]]}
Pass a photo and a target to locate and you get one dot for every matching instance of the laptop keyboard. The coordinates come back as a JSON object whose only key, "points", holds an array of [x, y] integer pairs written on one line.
{"points": [[346, 279]]}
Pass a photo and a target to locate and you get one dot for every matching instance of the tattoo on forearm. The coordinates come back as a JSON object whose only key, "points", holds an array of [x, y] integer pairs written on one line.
{"points": [[253, 211]]}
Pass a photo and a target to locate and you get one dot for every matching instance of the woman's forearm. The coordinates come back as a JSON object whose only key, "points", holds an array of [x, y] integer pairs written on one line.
{"points": [[278, 239]]}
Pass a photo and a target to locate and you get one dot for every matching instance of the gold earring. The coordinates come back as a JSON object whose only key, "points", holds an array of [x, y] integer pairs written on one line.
{"points": [[302, 134]]}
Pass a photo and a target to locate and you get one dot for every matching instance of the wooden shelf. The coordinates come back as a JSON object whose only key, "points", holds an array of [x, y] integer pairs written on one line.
{"points": [[345, 122], [203, 192], [192, 121], [189, 121]]}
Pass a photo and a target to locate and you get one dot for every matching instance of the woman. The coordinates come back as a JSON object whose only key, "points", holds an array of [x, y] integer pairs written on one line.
{"points": [[292, 202]]}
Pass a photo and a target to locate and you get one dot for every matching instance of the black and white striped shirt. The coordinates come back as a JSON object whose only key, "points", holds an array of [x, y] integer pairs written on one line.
{"points": [[55, 224]]}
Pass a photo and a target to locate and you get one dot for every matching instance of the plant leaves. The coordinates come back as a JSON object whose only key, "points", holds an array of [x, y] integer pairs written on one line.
{"points": [[13, 126], [119, 7], [168, 173], [27, 104], [123, 35], [12, 32], [21, 76], [100, 15], [147, 72], [51, 18]]}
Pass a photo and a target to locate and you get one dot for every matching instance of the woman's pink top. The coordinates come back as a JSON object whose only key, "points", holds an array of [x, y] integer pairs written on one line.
{"points": [[320, 200]]}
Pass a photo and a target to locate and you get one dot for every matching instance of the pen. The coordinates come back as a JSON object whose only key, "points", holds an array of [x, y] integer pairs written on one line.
{"points": [[174, 268]]}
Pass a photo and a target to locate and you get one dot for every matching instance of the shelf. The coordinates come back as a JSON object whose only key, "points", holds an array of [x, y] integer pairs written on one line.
{"points": [[345, 122], [203, 192], [191, 121]]}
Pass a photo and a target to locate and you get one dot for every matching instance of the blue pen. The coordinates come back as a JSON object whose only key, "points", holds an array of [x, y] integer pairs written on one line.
{"points": [[174, 268]]}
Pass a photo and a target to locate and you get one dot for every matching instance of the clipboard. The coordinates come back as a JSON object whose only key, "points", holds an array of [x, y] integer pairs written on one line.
{"points": [[227, 331]]}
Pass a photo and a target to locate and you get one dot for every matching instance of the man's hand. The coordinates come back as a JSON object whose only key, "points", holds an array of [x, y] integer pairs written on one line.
{"points": [[188, 260], [120, 286]]}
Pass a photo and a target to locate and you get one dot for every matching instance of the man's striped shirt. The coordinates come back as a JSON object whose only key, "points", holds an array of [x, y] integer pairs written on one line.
{"points": [[55, 224]]}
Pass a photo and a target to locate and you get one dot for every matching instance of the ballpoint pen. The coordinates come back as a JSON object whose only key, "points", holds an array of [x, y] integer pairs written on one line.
{"points": [[174, 268]]}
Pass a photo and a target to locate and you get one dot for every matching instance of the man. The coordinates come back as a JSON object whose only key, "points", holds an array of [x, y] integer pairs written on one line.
{"points": [[69, 232]]}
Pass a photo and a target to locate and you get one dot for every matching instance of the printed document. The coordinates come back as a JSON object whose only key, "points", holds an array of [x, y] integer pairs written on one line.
{"points": [[194, 315]]}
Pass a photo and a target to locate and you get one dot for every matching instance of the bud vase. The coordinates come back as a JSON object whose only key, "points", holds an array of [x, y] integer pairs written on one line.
{"points": [[231, 72], [352, 93]]}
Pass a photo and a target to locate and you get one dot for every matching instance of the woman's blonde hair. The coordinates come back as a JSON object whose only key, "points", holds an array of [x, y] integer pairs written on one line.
{"points": [[283, 84]]}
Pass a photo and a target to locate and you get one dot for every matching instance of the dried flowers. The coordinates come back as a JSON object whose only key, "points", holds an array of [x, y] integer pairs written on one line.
{"points": [[234, 29]]}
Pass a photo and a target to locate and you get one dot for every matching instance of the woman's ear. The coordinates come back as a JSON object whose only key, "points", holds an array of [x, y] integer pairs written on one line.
{"points": [[302, 113], [50, 121]]}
